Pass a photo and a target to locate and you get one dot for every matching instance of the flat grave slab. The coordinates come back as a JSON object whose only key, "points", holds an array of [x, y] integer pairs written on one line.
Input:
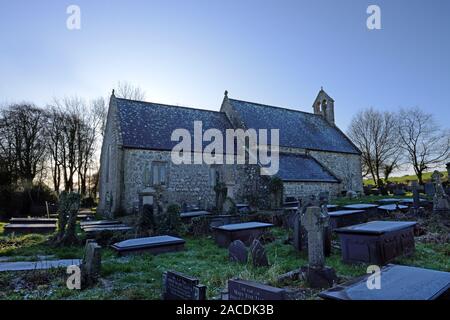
{"points": [[361, 206], [392, 207], [290, 204], [376, 242], [389, 200], [250, 290], [177, 286], [90, 231], [243, 207], [152, 245], [332, 207], [218, 220], [397, 283], [410, 202], [246, 232], [188, 216], [344, 218], [37, 265], [104, 226], [29, 228], [371, 209], [33, 220], [99, 223]]}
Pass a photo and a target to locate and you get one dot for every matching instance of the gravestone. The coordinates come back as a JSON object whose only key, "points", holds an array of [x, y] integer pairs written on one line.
{"points": [[399, 191], [259, 255], [416, 208], [147, 198], [92, 263], [229, 207], [297, 233], [318, 275], [441, 204], [250, 290], [238, 252], [429, 189], [300, 240], [416, 195], [177, 286]]}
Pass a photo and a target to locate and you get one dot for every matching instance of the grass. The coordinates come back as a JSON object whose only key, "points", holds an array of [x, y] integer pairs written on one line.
{"points": [[139, 277], [406, 178]]}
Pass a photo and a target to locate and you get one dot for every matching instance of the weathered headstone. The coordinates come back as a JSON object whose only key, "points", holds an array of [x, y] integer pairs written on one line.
{"points": [[92, 263], [416, 208], [238, 252], [441, 202], [229, 207], [259, 255], [249, 290], [429, 189], [314, 221], [297, 233], [177, 286], [416, 195]]}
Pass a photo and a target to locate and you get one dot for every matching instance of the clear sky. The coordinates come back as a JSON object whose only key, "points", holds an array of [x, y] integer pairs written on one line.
{"points": [[188, 52]]}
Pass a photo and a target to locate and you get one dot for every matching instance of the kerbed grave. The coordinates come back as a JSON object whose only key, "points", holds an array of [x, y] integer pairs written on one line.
{"points": [[246, 232], [344, 218], [376, 242]]}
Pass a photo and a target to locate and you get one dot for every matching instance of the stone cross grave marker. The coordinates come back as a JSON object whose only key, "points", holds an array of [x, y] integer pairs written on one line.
{"points": [[314, 221], [440, 200], [177, 286]]}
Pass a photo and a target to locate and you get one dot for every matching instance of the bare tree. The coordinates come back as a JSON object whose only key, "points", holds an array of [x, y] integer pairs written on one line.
{"points": [[22, 140], [128, 91], [426, 144], [54, 127], [375, 134]]}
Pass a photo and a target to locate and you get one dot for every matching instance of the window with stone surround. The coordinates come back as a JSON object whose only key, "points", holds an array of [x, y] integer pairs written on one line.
{"points": [[159, 173], [214, 176]]}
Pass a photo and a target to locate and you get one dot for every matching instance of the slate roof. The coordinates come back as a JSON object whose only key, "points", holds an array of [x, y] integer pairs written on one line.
{"points": [[303, 168], [297, 129], [149, 125]]}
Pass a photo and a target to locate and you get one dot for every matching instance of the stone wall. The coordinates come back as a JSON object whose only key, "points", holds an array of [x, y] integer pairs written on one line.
{"points": [[110, 166], [346, 167], [302, 189], [186, 183]]}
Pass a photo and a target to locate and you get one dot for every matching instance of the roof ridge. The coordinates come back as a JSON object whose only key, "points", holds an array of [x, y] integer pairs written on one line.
{"points": [[170, 105], [276, 107]]}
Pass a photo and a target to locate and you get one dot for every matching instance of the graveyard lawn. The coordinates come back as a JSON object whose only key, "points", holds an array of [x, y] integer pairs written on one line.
{"points": [[140, 277], [407, 178]]}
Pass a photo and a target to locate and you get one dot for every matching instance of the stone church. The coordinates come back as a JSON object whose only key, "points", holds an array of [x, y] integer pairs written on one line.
{"points": [[315, 155]]}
